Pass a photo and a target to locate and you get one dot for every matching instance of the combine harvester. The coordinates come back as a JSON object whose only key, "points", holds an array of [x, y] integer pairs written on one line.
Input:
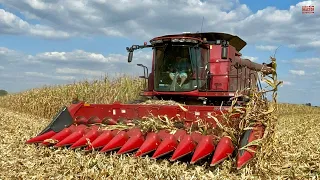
{"points": [[215, 72]]}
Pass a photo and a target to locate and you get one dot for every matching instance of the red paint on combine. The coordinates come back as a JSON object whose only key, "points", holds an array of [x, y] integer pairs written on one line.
{"points": [[105, 137], [224, 150], [152, 142], [117, 142], [186, 146], [169, 144], [117, 111], [244, 156], [204, 148], [134, 142], [61, 135], [41, 138], [89, 137]]}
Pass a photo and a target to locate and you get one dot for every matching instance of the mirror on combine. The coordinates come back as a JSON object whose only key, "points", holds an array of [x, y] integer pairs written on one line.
{"points": [[130, 57]]}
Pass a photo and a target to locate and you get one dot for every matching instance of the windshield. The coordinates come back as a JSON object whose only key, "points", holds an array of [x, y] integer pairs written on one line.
{"points": [[176, 68]]}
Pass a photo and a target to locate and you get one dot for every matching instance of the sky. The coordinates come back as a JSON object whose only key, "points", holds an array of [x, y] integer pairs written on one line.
{"points": [[52, 42]]}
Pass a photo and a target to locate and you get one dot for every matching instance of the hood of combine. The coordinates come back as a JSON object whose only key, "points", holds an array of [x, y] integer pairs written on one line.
{"points": [[110, 127]]}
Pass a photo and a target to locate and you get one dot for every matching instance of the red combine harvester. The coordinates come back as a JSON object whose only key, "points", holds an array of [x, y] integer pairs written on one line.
{"points": [[200, 70]]}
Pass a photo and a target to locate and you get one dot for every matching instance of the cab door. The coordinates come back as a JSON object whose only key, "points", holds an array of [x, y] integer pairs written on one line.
{"points": [[202, 67]]}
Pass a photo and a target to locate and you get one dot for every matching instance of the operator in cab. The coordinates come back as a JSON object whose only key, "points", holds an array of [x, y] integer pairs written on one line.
{"points": [[182, 68]]}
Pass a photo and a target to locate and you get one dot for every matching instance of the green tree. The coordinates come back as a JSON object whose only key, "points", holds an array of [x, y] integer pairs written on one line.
{"points": [[3, 92]]}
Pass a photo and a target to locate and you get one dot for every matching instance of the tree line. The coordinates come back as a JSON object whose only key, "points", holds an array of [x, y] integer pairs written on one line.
{"points": [[3, 92]]}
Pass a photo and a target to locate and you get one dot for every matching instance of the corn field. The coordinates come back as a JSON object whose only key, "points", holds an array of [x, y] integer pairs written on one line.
{"points": [[46, 101]]}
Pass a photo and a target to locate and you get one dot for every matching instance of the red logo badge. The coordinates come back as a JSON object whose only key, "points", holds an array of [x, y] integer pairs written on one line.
{"points": [[307, 9]]}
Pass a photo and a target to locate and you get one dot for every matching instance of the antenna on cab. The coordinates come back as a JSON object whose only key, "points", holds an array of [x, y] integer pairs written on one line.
{"points": [[202, 24]]}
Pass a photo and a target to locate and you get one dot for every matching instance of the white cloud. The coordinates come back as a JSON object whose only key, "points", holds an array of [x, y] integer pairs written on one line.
{"points": [[39, 74], [12, 24], [266, 48], [308, 62], [76, 55], [4, 51], [7, 52], [62, 67], [282, 27], [287, 83], [297, 72], [51, 56], [10, 56], [79, 71], [1, 67], [89, 17], [287, 27], [250, 58]]}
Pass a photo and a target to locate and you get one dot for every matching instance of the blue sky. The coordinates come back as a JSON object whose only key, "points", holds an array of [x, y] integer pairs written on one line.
{"points": [[57, 42]]}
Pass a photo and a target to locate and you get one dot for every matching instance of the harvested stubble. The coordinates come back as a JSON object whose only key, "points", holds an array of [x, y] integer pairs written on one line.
{"points": [[293, 152]]}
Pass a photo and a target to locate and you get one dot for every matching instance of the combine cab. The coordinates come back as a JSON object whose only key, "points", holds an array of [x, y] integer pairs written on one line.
{"points": [[202, 71]]}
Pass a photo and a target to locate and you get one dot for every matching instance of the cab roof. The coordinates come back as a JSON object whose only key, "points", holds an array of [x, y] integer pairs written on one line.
{"points": [[234, 41]]}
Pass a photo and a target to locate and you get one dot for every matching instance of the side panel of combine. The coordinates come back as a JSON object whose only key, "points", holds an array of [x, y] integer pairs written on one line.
{"points": [[241, 76], [232, 71], [219, 69], [233, 79]]}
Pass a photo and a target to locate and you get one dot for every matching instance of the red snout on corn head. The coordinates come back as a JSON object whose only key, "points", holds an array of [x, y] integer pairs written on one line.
{"points": [[214, 73]]}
